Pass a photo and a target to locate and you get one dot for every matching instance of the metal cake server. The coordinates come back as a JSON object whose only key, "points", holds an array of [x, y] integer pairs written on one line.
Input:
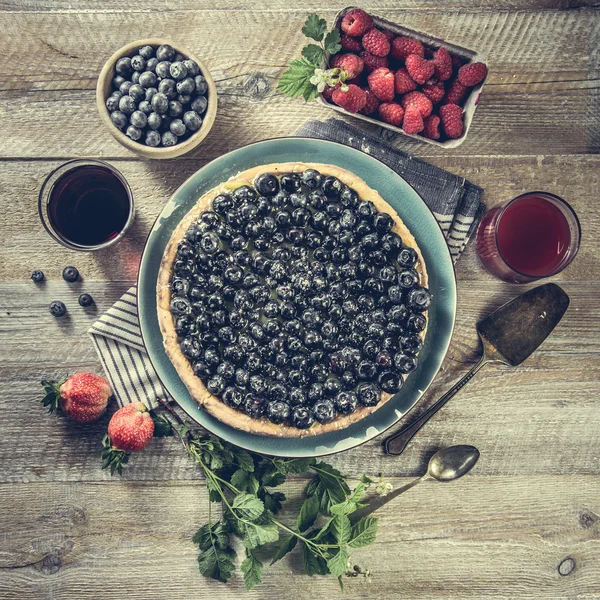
{"points": [[509, 335]]}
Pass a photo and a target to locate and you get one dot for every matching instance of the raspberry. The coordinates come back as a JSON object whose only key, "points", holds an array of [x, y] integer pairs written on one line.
{"points": [[434, 90], [352, 100], [388, 35], [404, 82], [350, 43], [413, 121], [391, 113], [328, 92], [472, 74], [352, 64], [375, 42], [403, 47], [356, 22], [432, 127], [422, 102], [456, 92], [442, 63], [360, 81], [373, 62], [457, 61], [452, 122], [381, 83], [419, 68], [372, 103]]}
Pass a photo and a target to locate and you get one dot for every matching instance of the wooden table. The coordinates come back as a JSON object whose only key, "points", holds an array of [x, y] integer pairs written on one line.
{"points": [[70, 531]]}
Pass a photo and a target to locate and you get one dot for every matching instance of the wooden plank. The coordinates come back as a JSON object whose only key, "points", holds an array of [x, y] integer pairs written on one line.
{"points": [[113, 541], [541, 96], [541, 417], [27, 246]]}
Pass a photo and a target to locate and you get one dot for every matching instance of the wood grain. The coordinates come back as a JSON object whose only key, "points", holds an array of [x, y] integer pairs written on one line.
{"points": [[541, 96]]}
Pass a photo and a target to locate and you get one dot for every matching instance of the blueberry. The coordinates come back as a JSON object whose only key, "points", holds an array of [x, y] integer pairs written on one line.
{"points": [[324, 411], [117, 81], [162, 69], [70, 274], [243, 194], [416, 323], [185, 99], [233, 397], [290, 182], [177, 127], [37, 276], [169, 139], [168, 88], [146, 52], [366, 370], [395, 294], [138, 63], [278, 411], [160, 103], [150, 93], [135, 133], [408, 278], [199, 104], [407, 258], [58, 308], [331, 187], [368, 394], [190, 346], [148, 79], [405, 363], [346, 402], [390, 382], [123, 66], [85, 300], [154, 121], [125, 87], [138, 119], [411, 344], [165, 52], [349, 198], [201, 86], [192, 67], [145, 107], [127, 105], [418, 299], [151, 64], [267, 184], [302, 417], [112, 102], [192, 121], [311, 179], [178, 71], [185, 86]]}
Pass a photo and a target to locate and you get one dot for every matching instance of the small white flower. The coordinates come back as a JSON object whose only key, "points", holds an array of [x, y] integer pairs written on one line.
{"points": [[321, 86], [383, 486]]}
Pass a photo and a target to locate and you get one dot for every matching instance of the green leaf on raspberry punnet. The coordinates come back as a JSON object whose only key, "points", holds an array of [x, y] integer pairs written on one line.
{"points": [[315, 54], [315, 27], [295, 80], [338, 563], [52, 390], [332, 42]]}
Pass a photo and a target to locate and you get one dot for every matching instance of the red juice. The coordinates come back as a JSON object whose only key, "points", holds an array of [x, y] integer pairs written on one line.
{"points": [[89, 205], [533, 236]]}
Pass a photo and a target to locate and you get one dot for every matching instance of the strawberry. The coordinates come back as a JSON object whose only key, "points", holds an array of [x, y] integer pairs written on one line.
{"points": [[419, 68], [82, 397], [404, 82], [452, 120], [129, 430], [434, 90], [403, 47], [422, 102], [391, 113], [356, 22], [372, 62], [350, 43], [372, 103], [456, 92], [442, 63], [381, 83], [350, 63], [472, 74], [352, 100], [432, 127], [413, 121], [375, 42]]}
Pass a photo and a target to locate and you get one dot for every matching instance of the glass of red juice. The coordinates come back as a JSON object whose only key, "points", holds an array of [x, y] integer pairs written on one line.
{"points": [[86, 205], [535, 235]]}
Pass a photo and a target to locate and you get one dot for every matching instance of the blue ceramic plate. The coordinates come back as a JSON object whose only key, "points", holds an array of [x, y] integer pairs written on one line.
{"points": [[413, 212]]}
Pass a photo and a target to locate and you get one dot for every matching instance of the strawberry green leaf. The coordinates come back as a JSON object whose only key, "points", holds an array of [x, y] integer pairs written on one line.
{"points": [[52, 395], [315, 27], [332, 42], [112, 458], [252, 569], [162, 425], [314, 53], [287, 544]]}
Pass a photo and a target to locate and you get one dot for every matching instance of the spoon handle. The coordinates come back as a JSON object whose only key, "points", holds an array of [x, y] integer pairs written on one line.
{"points": [[396, 443], [379, 502]]}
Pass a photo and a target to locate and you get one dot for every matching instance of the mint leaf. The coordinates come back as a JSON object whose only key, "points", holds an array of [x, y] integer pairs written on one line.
{"points": [[314, 53], [257, 534], [308, 513], [217, 564], [313, 564], [338, 563], [252, 569], [162, 425], [363, 532], [272, 500], [341, 528], [287, 544], [247, 506], [295, 80], [315, 27], [245, 482], [332, 42]]}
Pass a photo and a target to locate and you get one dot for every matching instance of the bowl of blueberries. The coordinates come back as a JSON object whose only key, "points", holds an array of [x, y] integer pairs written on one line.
{"points": [[156, 98]]}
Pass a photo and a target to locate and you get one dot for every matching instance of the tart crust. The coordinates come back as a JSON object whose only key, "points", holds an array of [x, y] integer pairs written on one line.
{"points": [[213, 405]]}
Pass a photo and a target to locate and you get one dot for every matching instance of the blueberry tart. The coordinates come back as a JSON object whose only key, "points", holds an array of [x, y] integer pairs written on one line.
{"points": [[293, 300]]}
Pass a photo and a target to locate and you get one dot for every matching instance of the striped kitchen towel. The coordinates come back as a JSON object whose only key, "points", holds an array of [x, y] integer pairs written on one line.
{"points": [[455, 202]]}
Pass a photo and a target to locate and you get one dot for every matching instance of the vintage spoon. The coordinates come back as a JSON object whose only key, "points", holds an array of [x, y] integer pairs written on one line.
{"points": [[446, 465], [509, 335]]}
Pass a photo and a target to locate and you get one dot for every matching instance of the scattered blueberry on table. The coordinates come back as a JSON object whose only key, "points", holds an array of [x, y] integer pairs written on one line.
{"points": [[86, 300], [37, 276], [70, 274], [159, 96], [58, 308]]}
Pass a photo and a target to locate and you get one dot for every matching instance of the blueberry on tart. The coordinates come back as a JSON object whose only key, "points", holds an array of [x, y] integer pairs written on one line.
{"points": [[293, 300]]}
